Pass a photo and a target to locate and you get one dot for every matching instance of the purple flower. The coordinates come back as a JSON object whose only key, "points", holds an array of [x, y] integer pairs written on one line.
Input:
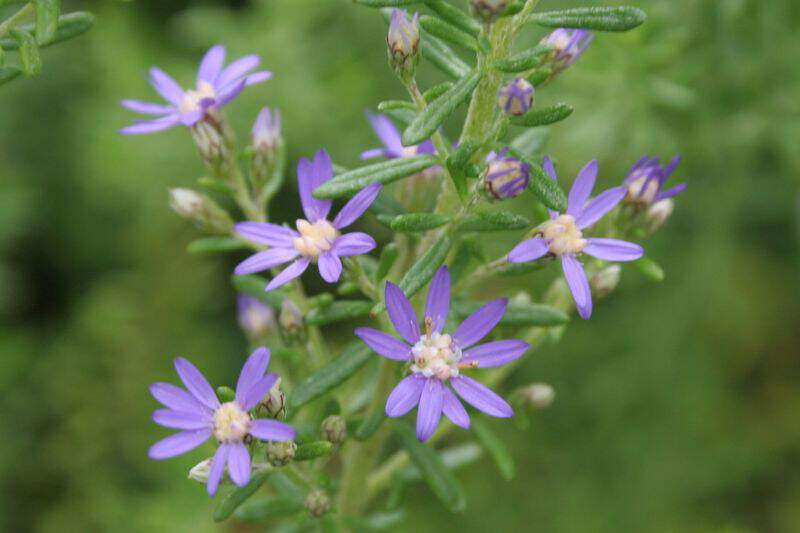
{"points": [[516, 98], [506, 176], [436, 358], [316, 239], [646, 179], [562, 235], [200, 415], [255, 317], [215, 87], [392, 144], [569, 45]]}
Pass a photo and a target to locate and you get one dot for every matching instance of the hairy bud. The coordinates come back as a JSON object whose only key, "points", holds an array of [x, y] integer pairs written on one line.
{"points": [[256, 318], [210, 142], [488, 9], [201, 470], [317, 503], [403, 43], [274, 402], [506, 176], [516, 98], [281, 453], [538, 395], [267, 139], [605, 281], [334, 429], [658, 214], [569, 45], [292, 325], [200, 209]]}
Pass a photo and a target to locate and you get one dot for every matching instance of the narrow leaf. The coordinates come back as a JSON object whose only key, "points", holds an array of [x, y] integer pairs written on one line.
{"points": [[454, 458], [457, 164], [622, 18], [313, 450], [337, 312], [29, 56], [386, 3], [215, 185], [388, 105], [255, 286], [231, 501], [542, 116], [539, 76], [351, 182], [370, 424], [448, 32], [215, 245], [436, 91], [454, 16], [491, 220], [650, 269], [267, 507], [331, 375], [8, 73], [69, 26], [496, 448], [547, 190], [423, 270], [520, 314], [46, 20], [415, 222], [525, 60], [427, 121]]}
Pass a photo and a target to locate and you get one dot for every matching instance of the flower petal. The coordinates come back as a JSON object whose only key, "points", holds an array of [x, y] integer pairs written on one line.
{"points": [[578, 285], [257, 77], [252, 371], [306, 183], [166, 86], [217, 468], [401, 313], [192, 117], [602, 204], [236, 70], [429, 411], [496, 353], [265, 260], [211, 65], [404, 396], [582, 188], [438, 303], [613, 250], [239, 463], [528, 250], [257, 391], [356, 206], [289, 273], [388, 133], [453, 409], [178, 443], [151, 126], [384, 344], [481, 397], [480, 323], [356, 243], [375, 152], [147, 108], [176, 398], [196, 383], [182, 419], [330, 267], [266, 429], [669, 193], [227, 94], [267, 234]]}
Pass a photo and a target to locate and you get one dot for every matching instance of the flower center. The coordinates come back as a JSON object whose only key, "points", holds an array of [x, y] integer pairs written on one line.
{"points": [[192, 99], [563, 236], [641, 190], [436, 355], [231, 422], [316, 238]]}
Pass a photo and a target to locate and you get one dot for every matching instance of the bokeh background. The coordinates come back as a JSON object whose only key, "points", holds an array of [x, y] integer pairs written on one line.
{"points": [[677, 404]]}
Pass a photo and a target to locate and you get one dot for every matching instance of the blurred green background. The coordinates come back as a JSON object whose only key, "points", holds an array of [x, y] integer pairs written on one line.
{"points": [[677, 404]]}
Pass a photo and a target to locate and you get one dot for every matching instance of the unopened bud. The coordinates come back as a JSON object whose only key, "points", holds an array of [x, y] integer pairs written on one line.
{"points": [[568, 46], [256, 318], [516, 98], [281, 453], [488, 9], [201, 470], [521, 298], [506, 176], [317, 503], [291, 322], [658, 214], [334, 429], [403, 43], [538, 395], [274, 402], [266, 137], [202, 210], [605, 281], [209, 141]]}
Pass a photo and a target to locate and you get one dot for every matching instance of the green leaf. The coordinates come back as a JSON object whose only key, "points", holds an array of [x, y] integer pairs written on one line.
{"points": [[215, 245], [46, 20], [525, 60], [622, 18], [448, 32], [428, 120], [435, 473], [496, 448], [231, 501], [8, 73], [389, 255], [267, 507], [370, 424], [415, 222], [546, 189], [386, 3], [29, 56], [331, 375], [519, 314], [69, 26], [454, 458], [255, 286], [542, 116], [443, 57], [389, 105], [215, 185], [225, 394], [426, 266], [491, 220], [454, 16], [457, 164], [539, 76], [337, 312], [351, 182], [313, 450], [649, 268], [402, 115], [436, 91]]}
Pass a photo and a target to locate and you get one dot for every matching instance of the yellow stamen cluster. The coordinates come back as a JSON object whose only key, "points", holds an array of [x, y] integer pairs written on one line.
{"points": [[191, 99], [231, 422], [563, 236], [316, 238]]}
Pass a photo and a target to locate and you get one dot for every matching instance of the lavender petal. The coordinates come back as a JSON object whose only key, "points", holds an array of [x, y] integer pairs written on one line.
{"points": [[356, 206], [182, 419], [330, 267], [151, 126], [236, 70], [480, 323], [578, 285], [313, 208], [239, 463], [613, 250], [211, 64], [429, 411], [384, 344], [192, 117], [176, 398], [166, 86], [481, 397], [289, 273], [404, 396], [147, 108], [438, 303], [265, 260], [496, 353], [257, 77], [602, 204], [252, 371], [257, 391], [528, 250], [217, 468], [273, 430], [375, 152], [196, 383], [178, 443], [401, 313], [669, 193], [267, 234], [230, 92], [453, 409], [356, 243], [387, 133], [582, 188]]}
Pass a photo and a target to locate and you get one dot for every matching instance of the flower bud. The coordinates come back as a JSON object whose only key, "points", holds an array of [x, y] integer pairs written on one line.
{"points": [[568, 46], [281, 453], [605, 281], [538, 395], [334, 429], [202, 210], [201, 470], [317, 503], [506, 176], [274, 402], [658, 214], [292, 325], [256, 318], [516, 98], [209, 141], [488, 9], [403, 43], [267, 139]]}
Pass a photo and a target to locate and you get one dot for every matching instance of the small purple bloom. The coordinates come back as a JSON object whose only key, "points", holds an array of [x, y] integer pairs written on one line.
{"points": [[403, 36], [516, 98], [562, 235], [646, 179], [392, 144], [255, 317], [200, 415], [506, 176], [215, 87], [436, 358], [266, 132], [316, 240], [569, 45]]}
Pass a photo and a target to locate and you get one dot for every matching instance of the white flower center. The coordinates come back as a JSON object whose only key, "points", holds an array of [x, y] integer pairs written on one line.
{"points": [[639, 193], [231, 422], [316, 238], [436, 355], [410, 151], [191, 99], [563, 236]]}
